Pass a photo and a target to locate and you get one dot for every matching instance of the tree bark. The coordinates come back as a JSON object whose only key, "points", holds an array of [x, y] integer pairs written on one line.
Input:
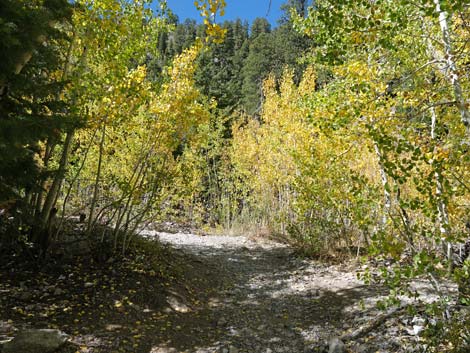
{"points": [[442, 215], [452, 67], [97, 180], [57, 182], [384, 177]]}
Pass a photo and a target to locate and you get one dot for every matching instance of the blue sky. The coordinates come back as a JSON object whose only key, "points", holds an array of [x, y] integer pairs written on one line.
{"points": [[243, 9]]}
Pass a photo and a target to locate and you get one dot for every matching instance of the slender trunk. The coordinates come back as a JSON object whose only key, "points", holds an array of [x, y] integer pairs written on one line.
{"points": [[97, 180], [385, 184], [452, 66], [66, 69], [139, 218], [51, 143], [40, 195], [72, 182], [60, 175], [122, 214], [405, 219], [57, 182], [442, 215]]}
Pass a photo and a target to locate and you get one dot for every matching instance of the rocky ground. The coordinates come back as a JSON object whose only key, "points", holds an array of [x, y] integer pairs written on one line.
{"points": [[273, 301], [218, 294]]}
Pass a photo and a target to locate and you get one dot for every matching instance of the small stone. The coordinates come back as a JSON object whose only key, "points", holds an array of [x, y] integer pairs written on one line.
{"points": [[88, 284], [336, 346], [416, 330], [232, 349], [58, 291], [163, 350], [418, 321], [177, 305], [113, 327], [36, 341], [6, 327]]}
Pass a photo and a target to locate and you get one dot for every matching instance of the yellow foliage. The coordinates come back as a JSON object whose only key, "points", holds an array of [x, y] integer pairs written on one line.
{"points": [[208, 10]]}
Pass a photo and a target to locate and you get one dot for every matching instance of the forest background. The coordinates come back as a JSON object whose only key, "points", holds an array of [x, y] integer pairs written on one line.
{"points": [[345, 126]]}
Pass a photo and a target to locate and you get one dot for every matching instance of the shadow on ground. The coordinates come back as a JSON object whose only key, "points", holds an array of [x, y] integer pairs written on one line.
{"points": [[267, 301], [209, 295]]}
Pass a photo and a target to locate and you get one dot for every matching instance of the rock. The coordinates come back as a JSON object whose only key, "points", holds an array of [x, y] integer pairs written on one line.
{"points": [[163, 350], [232, 349], [177, 305], [6, 327], [336, 346], [418, 321], [415, 331], [88, 284], [113, 327], [36, 341], [58, 291]]}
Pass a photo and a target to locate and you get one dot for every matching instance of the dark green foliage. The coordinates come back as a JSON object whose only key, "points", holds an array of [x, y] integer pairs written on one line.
{"points": [[30, 111], [259, 26], [24, 25], [219, 67], [270, 53], [257, 67], [232, 72]]}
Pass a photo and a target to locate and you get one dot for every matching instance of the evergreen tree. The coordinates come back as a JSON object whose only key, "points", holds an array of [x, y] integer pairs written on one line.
{"points": [[270, 52], [260, 25], [219, 67], [256, 67], [30, 109]]}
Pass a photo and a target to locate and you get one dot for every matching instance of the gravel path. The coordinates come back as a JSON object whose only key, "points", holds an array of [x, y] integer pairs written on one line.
{"points": [[213, 294], [270, 302]]}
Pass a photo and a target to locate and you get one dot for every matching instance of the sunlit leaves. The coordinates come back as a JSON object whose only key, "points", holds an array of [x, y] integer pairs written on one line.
{"points": [[209, 10]]}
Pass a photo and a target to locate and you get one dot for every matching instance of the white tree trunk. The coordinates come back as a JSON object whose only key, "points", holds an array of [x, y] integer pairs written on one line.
{"points": [[442, 214], [452, 67], [384, 177]]}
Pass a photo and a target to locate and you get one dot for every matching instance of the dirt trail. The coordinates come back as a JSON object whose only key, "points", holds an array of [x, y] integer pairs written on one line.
{"points": [[202, 294], [267, 301]]}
